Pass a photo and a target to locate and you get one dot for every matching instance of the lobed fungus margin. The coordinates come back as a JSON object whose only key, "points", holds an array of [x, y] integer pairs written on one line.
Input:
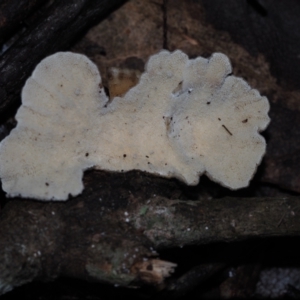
{"points": [[183, 118]]}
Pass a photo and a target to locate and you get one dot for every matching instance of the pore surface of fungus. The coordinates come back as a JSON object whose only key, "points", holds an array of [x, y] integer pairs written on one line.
{"points": [[183, 118]]}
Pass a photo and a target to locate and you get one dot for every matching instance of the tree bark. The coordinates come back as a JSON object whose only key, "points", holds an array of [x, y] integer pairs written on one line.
{"points": [[111, 232], [12, 15]]}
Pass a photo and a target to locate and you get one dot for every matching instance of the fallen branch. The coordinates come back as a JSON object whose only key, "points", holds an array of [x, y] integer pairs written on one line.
{"points": [[110, 232]]}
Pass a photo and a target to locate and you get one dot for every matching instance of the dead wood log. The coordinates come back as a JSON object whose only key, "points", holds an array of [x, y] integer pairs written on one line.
{"points": [[111, 232]]}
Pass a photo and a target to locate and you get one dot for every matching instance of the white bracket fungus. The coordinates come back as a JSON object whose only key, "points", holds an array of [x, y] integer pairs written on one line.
{"points": [[184, 118]]}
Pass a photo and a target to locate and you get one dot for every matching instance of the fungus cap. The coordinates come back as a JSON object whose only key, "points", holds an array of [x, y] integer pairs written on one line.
{"points": [[183, 118]]}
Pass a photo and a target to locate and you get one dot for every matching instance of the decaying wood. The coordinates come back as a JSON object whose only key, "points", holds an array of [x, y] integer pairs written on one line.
{"points": [[109, 233], [56, 29], [12, 15], [243, 285]]}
